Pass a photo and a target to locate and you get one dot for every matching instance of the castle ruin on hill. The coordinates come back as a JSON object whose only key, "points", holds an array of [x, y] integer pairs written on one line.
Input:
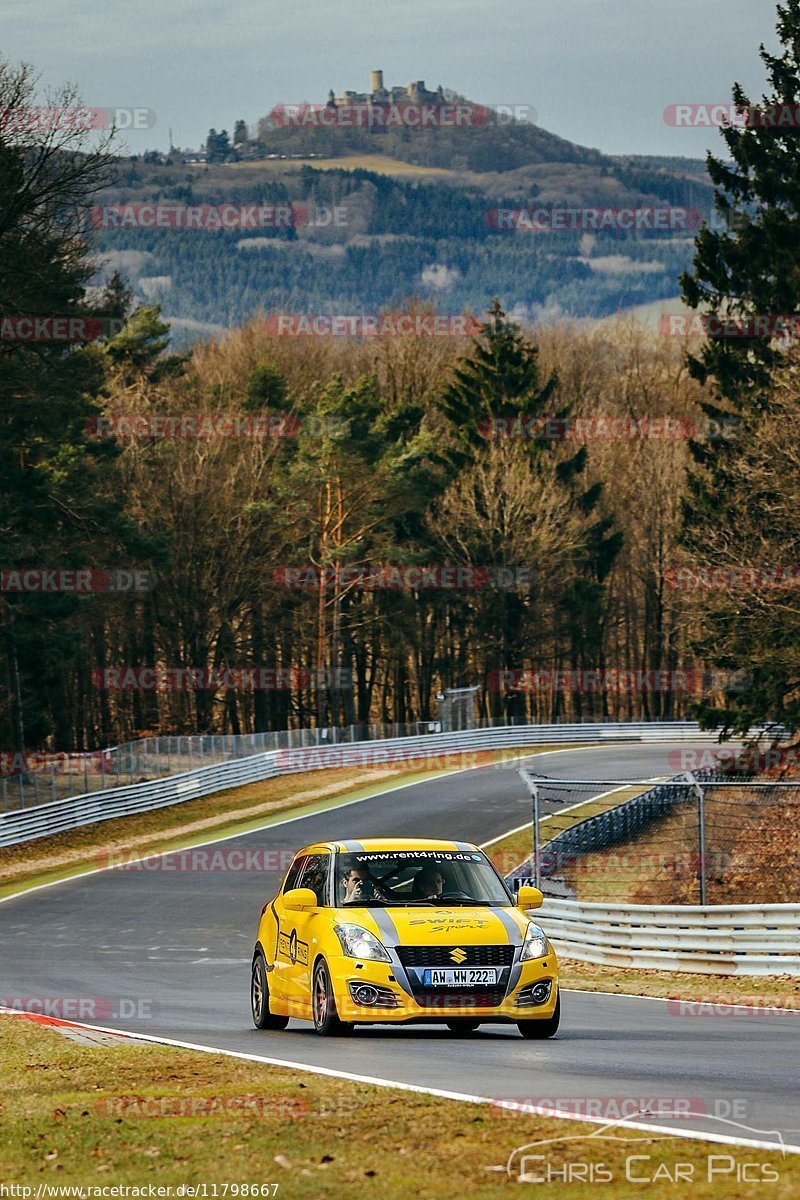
{"points": [[414, 93]]}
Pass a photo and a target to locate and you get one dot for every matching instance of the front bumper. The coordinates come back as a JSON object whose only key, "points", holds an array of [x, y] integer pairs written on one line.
{"points": [[411, 1003]]}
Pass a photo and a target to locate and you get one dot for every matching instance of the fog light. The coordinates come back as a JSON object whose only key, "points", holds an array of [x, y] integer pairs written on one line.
{"points": [[366, 994], [535, 994]]}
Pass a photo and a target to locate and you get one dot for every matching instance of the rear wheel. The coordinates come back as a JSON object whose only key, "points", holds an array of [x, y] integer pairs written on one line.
{"points": [[323, 1005], [542, 1028], [462, 1025], [259, 997]]}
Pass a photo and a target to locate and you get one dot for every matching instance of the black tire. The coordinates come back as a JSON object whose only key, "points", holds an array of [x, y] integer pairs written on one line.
{"points": [[323, 1005], [461, 1026], [259, 997], [542, 1029]]}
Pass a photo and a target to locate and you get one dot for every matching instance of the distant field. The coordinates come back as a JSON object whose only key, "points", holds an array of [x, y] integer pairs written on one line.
{"points": [[381, 164]]}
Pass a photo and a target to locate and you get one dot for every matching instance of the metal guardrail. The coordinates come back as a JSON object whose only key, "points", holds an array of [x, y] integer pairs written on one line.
{"points": [[42, 820], [738, 939]]}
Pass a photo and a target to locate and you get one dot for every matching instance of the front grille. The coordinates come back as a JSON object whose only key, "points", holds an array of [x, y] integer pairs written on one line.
{"points": [[439, 956], [463, 1001]]}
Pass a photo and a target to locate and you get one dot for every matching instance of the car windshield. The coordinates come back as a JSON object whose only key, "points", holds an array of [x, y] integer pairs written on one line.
{"points": [[417, 877]]}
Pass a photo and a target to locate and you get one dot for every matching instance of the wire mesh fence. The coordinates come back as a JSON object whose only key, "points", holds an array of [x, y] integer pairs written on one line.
{"points": [[38, 777], [32, 779], [700, 838]]}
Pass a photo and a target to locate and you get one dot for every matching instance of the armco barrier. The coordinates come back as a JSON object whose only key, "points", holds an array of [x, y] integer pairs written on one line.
{"points": [[737, 939], [57, 816]]}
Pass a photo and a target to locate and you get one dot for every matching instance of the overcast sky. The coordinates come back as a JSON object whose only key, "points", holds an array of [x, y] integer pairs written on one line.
{"points": [[600, 74]]}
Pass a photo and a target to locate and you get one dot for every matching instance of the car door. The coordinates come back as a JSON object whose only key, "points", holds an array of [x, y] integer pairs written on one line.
{"points": [[299, 932], [281, 964]]}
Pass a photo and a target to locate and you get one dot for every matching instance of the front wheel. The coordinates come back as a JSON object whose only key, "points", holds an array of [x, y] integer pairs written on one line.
{"points": [[542, 1029], [259, 997], [323, 1005]]}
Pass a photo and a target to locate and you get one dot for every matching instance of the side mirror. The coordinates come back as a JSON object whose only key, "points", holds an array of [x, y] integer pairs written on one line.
{"points": [[529, 897], [299, 900]]}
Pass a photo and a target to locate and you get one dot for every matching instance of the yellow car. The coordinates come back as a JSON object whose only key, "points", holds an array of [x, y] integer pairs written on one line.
{"points": [[398, 931]]}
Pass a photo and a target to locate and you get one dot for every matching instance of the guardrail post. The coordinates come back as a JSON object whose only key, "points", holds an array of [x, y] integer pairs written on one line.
{"points": [[701, 836], [533, 787]]}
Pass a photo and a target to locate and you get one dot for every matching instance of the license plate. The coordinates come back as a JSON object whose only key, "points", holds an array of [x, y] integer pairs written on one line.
{"points": [[460, 977]]}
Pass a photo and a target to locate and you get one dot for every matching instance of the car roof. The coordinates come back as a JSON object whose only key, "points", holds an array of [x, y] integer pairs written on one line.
{"points": [[353, 845]]}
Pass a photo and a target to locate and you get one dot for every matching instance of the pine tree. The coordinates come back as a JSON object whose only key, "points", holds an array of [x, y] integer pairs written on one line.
{"points": [[749, 268]]}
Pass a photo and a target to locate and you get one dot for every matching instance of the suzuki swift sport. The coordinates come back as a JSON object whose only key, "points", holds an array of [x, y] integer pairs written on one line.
{"points": [[399, 931]]}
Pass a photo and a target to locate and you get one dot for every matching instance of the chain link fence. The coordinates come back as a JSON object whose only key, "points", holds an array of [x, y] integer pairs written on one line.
{"points": [[703, 837], [37, 778]]}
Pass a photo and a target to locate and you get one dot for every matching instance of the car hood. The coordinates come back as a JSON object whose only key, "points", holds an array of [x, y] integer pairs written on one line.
{"points": [[441, 926]]}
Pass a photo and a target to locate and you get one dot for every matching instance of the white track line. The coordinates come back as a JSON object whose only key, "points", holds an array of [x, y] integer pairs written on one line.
{"points": [[442, 1093]]}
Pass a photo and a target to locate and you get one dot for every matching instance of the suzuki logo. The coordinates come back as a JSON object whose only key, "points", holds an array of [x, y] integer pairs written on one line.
{"points": [[458, 955]]}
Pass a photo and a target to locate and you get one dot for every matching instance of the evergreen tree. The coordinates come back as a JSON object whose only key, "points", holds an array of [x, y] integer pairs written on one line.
{"points": [[750, 268]]}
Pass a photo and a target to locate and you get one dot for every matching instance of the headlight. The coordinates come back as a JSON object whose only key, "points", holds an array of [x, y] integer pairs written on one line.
{"points": [[535, 944], [358, 942]]}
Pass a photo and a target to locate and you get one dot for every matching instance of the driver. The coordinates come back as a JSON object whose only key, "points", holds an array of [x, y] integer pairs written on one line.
{"points": [[428, 884], [358, 884]]}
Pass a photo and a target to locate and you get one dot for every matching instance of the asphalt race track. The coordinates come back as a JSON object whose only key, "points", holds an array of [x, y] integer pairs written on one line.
{"points": [[177, 945]]}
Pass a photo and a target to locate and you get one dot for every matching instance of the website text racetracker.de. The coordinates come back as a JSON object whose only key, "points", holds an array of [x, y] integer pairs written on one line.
{"points": [[445, 114], [198, 861], [392, 577], [594, 219], [372, 325], [595, 681], [622, 1108], [213, 679]]}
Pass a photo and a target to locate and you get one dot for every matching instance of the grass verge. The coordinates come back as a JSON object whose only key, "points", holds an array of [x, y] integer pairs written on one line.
{"points": [[94, 1116], [234, 811], [761, 991]]}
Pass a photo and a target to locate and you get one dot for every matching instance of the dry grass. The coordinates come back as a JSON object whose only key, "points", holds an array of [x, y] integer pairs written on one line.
{"points": [[105, 1116]]}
